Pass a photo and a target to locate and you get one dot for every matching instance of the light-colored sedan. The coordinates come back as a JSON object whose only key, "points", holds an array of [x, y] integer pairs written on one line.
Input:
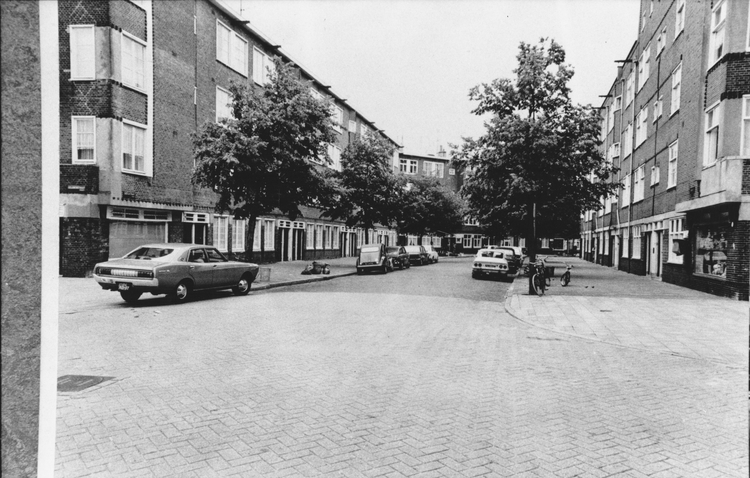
{"points": [[432, 254], [490, 262], [174, 269]]}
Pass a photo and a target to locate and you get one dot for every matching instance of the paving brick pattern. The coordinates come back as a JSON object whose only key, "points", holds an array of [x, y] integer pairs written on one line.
{"points": [[381, 386]]}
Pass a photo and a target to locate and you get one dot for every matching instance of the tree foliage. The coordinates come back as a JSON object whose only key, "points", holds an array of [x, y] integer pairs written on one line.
{"points": [[362, 193], [262, 159], [428, 207], [539, 151]]}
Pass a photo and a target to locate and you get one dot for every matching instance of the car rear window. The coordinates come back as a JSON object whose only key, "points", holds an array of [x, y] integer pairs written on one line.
{"points": [[392, 249], [149, 253], [370, 248]]}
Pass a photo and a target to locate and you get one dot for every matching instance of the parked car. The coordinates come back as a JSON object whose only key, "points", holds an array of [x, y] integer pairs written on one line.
{"points": [[417, 255], [174, 269], [373, 257], [432, 253], [490, 262], [398, 256], [513, 256]]}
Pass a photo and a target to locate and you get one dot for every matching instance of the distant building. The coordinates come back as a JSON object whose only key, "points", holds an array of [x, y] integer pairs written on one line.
{"points": [[676, 121], [136, 79]]}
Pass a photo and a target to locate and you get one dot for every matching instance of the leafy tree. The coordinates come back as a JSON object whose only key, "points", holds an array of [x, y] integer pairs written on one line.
{"points": [[364, 192], [538, 165], [262, 159], [427, 207]]}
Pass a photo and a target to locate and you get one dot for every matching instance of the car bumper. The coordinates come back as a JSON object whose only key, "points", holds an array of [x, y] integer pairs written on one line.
{"points": [[128, 283], [492, 272]]}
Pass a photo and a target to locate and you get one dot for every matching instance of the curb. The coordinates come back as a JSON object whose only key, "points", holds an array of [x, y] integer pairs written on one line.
{"points": [[517, 316], [274, 285]]}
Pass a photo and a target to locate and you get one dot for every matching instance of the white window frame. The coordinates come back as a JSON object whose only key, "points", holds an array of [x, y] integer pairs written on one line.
{"points": [[625, 243], [137, 67], [132, 124], [235, 55], [263, 66], [309, 236], [335, 231], [655, 175], [636, 242], [644, 66], [676, 231], [658, 108], [74, 139], [713, 112], [625, 191], [630, 88], [337, 117], [79, 53], [269, 231], [641, 127], [679, 23], [334, 152], [239, 232], [627, 141], [223, 108], [672, 172], [221, 232], [639, 183], [676, 89], [434, 169], [352, 126], [661, 41], [363, 130], [745, 127], [319, 236], [717, 38]]}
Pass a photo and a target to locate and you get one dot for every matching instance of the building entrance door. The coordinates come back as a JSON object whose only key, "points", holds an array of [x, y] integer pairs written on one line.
{"points": [[654, 251], [296, 244]]}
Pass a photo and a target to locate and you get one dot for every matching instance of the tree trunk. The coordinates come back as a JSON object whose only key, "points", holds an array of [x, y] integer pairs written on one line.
{"points": [[250, 238], [531, 243]]}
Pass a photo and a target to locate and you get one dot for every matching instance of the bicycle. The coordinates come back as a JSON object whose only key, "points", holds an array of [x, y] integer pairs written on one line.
{"points": [[540, 281], [565, 278]]}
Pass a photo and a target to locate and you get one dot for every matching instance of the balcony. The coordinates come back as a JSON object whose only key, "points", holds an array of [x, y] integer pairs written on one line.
{"points": [[720, 183]]}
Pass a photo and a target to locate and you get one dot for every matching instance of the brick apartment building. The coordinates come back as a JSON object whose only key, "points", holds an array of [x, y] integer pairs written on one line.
{"points": [[136, 78], [676, 121]]}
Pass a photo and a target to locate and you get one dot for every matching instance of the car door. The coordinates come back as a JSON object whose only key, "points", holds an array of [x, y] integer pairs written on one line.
{"points": [[200, 269], [225, 273]]}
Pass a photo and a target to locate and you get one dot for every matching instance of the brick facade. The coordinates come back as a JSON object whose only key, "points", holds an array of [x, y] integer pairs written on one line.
{"points": [[79, 179]]}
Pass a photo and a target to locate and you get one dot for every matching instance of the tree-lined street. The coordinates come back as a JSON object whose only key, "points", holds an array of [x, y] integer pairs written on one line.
{"points": [[414, 373]]}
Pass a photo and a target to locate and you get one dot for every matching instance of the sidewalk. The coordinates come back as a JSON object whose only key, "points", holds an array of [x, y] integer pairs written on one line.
{"points": [[626, 310], [290, 273]]}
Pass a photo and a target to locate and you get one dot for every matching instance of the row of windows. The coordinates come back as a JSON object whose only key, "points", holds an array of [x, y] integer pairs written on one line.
{"points": [[429, 168]]}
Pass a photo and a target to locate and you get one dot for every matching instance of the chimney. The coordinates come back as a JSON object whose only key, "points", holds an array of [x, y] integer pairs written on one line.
{"points": [[442, 153]]}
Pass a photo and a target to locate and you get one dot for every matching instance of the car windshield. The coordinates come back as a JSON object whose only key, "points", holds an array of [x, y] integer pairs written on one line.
{"points": [[412, 249], [150, 253], [370, 248]]}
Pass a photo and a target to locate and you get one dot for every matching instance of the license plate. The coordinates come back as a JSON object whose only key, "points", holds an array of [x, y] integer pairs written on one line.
{"points": [[122, 286]]}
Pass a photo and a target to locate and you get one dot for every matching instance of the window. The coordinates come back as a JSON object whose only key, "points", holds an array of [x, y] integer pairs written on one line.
{"points": [[629, 89], [711, 249], [636, 242], [263, 66], [614, 150], [238, 234], [672, 173], [231, 48], [338, 118], [641, 127], [268, 234], [655, 173], [319, 236], [661, 41], [711, 142], [625, 242], [363, 130], [644, 67], [676, 232], [658, 106], [84, 139], [328, 240], [607, 205], [434, 169], [408, 166], [133, 147], [335, 237], [221, 228], [718, 22], [352, 126], [638, 184], [223, 104], [679, 23], [310, 236], [335, 154], [82, 52], [133, 62], [745, 141], [676, 82], [625, 192], [477, 242], [627, 141]]}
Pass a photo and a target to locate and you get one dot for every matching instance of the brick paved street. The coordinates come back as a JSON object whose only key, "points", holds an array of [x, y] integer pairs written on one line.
{"points": [[382, 376]]}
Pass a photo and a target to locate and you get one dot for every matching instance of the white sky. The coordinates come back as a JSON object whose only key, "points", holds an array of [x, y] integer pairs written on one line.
{"points": [[408, 65]]}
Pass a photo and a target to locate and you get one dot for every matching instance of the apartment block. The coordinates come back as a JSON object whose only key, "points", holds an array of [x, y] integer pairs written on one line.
{"points": [[676, 122], [137, 77]]}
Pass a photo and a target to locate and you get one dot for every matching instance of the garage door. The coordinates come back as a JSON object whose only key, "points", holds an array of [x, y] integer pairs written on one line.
{"points": [[124, 236]]}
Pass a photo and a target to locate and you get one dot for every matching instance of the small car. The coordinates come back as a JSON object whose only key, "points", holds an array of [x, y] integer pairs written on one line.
{"points": [[513, 256], [490, 262], [174, 269], [399, 257], [373, 257], [417, 255], [432, 253]]}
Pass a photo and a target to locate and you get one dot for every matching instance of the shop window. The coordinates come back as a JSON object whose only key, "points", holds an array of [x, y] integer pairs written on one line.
{"points": [[711, 247]]}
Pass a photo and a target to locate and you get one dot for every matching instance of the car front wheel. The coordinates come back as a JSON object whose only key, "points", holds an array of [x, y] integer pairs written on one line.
{"points": [[182, 292], [130, 296], [242, 287]]}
